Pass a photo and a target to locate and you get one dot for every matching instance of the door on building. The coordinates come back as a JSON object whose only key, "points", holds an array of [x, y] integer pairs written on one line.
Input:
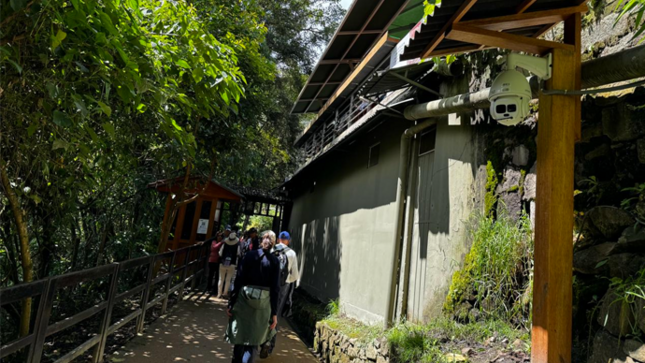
{"points": [[421, 194]]}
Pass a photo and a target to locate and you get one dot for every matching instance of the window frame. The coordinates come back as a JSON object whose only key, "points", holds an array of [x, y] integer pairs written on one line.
{"points": [[369, 155]]}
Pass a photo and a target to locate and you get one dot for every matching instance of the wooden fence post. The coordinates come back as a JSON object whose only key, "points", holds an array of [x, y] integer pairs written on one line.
{"points": [[171, 268], [107, 315], [39, 321], [184, 273], [42, 321], [145, 295]]}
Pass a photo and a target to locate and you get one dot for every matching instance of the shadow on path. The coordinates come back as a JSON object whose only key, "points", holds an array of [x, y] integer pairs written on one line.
{"points": [[194, 332]]}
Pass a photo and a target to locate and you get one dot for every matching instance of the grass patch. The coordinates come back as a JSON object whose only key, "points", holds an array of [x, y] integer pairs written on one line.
{"points": [[353, 329], [435, 341], [432, 342], [497, 273]]}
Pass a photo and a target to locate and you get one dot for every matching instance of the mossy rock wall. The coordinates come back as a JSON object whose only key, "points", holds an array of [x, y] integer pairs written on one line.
{"points": [[332, 346]]}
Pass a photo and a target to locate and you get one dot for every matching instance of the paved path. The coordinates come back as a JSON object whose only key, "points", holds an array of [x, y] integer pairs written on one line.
{"points": [[194, 332]]}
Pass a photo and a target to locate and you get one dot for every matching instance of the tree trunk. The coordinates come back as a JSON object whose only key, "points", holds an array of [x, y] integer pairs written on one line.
{"points": [[25, 253], [75, 243], [47, 246], [99, 258]]}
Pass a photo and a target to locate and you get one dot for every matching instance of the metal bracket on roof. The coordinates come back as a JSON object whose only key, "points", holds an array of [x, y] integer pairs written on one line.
{"points": [[416, 84], [380, 104]]}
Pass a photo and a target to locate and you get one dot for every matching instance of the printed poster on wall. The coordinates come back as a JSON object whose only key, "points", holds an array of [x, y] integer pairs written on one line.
{"points": [[202, 226]]}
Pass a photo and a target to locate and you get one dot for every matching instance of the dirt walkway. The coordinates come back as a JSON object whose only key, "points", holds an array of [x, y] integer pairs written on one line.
{"points": [[194, 332]]}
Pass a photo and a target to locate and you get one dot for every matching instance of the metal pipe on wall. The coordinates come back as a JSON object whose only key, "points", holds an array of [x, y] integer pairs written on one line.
{"points": [[617, 67], [401, 195]]}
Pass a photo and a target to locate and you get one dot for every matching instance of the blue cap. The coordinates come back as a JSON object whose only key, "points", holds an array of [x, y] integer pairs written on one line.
{"points": [[284, 235]]}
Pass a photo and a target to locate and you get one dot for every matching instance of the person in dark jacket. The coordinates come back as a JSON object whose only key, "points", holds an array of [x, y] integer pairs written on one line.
{"points": [[253, 304]]}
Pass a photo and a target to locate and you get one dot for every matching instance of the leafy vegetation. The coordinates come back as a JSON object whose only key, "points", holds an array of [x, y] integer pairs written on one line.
{"points": [[633, 7], [630, 291], [497, 275], [99, 99], [491, 184]]}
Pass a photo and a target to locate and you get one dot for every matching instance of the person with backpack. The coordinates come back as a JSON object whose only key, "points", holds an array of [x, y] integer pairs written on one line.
{"points": [[253, 305], [293, 280], [289, 276], [229, 254]]}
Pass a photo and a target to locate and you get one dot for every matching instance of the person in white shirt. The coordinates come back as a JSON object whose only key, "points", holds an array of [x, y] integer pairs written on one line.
{"points": [[289, 279]]}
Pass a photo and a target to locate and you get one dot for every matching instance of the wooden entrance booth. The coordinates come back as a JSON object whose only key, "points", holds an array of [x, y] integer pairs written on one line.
{"points": [[470, 25], [215, 207]]}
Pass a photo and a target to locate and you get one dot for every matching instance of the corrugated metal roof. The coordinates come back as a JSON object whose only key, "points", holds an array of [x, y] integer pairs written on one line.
{"points": [[365, 22], [444, 16]]}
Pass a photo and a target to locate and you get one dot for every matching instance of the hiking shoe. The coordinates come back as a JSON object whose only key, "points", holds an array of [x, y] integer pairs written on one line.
{"points": [[264, 352]]}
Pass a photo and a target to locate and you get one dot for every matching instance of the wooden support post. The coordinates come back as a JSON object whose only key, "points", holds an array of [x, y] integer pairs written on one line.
{"points": [[552, 287], [42, 320], [40, 328], [198, 212], [211, 220], [573, 36], [178, 228], [145, 295], [184, 273], [107, 315], [166, 292]]}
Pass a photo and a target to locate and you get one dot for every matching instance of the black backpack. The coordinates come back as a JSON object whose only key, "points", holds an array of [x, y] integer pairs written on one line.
{"points": [[230, 253], [284, 265]]}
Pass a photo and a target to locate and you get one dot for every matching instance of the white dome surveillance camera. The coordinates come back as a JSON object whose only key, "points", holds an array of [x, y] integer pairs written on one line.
{"points": [[509, 98], [511, 92]]}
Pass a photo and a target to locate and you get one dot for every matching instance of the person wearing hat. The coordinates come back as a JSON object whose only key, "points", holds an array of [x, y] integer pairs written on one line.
{"points": [[253, 306], [289, 278], [229, 254]]}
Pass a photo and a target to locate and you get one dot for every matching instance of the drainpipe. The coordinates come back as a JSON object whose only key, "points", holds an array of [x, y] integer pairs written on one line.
{"points": [[409, 225], [401, 193]]}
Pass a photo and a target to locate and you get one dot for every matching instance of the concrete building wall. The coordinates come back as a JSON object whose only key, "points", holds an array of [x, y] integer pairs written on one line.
{"points": [[343, 226], [444, 200]]}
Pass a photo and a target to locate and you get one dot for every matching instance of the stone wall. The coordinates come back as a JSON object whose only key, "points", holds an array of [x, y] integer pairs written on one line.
{"points": [[610, 248], [609, 240], [332, 346]]}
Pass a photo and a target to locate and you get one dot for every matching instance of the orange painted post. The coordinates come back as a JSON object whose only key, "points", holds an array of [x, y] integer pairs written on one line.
{"points": [[552, 287], [178, 228], [198, 212]]}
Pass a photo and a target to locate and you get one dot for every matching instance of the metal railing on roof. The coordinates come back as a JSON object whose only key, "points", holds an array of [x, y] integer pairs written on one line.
{"points": [[333, 127]]}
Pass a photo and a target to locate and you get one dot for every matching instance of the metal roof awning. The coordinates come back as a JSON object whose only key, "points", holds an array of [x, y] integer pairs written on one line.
{"points": [[396, 78], [408, 18], [448, 30], [365, 23]]}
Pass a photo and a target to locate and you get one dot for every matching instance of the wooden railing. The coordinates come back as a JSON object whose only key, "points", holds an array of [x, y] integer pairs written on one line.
{"points": [[189, 263]]}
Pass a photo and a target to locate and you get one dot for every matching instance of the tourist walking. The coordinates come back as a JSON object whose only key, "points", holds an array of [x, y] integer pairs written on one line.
{"points": [[213, 263], [253, 305], [229, 254], [289, 277], [251, 241]]}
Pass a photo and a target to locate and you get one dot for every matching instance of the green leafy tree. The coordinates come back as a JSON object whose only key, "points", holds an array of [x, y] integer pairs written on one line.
{"points": [[85, 86]]}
